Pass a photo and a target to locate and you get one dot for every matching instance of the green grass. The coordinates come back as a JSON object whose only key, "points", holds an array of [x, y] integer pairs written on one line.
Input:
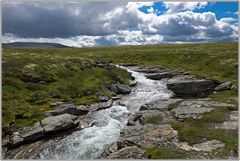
{"points": [[152, 120], [196, 131], [67, 74], [227, 96], [32, 79], [165, 153]]}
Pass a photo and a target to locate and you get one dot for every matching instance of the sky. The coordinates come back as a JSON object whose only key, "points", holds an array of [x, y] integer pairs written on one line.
{"points": [[88, 24]]}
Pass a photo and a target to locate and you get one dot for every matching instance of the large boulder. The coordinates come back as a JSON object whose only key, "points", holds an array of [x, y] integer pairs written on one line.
{"points": [[69, 110], [224, 86], [42, 128], [159, 76], [57, 123], [66, 107], [184, 86], [33, 133], [123, 89]]}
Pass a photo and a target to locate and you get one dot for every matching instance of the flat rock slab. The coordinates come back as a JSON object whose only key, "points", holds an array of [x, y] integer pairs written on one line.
{"points": [[148, 135], [131, 152], [148, 70], [40, 129], [97, 106], [194, 111], [141, 117], [195, 108], [232, 124], [161, 105], [207, 146], [159, 76]]}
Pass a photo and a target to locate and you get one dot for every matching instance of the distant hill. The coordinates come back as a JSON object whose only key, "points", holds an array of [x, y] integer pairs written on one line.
{"points": [[33, 45]]}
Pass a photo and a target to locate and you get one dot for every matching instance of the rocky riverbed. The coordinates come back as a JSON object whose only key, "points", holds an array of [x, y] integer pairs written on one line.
{"points": [[135, 119]]}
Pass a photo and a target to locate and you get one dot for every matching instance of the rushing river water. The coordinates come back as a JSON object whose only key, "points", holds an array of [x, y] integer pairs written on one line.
{"points": [[90, 142]]}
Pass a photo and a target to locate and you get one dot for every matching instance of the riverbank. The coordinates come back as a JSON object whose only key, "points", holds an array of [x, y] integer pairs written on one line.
{"points": [[82, 68]]}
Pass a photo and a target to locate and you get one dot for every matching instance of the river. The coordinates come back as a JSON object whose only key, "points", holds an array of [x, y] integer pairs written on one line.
{"points": [[90, 142]]}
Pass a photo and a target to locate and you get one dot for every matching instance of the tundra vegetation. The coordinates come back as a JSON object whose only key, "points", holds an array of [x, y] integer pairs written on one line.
{"points": [[33, 78]]}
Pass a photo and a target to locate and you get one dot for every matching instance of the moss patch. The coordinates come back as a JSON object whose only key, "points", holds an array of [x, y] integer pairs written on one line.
{"points": [[165, 153]]}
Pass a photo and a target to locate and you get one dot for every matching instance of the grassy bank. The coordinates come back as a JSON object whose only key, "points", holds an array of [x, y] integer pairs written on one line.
{"points": [[32, 79]]}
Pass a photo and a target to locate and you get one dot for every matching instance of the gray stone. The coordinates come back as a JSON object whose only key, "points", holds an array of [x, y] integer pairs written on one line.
{"points": [[113, 89], [133, 84], [123, 89], [194, 111], [148, 135], [208, 146], [67, 110], [48, 125], [97, 106], [142, 117], [184, 86], [103, 98], [60, 122], [116, 97], [159, 76], [231, 124], [195, 108], [15, 139], [132, 152], [33, 133], [56, 103], [224, 86], [161, 105], [148, 70]]}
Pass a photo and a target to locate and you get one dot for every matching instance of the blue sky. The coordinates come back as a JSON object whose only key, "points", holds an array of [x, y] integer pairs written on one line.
{"points": [[221, 9], [89, 24]]}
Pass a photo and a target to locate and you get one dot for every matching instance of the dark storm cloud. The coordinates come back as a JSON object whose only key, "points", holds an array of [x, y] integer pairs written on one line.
{"points": [[56, 19]]}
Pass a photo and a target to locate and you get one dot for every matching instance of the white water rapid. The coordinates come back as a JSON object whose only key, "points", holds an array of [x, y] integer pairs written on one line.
{"points": [[90, 142]]}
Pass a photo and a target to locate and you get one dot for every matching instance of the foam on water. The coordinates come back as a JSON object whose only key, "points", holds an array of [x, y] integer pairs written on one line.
{"points": [[89, 143]]}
